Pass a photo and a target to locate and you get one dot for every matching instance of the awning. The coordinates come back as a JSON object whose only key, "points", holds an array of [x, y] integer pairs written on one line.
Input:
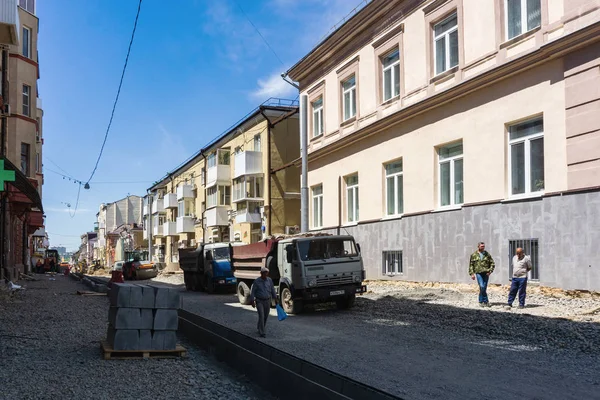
{"points": [[23, 190]]}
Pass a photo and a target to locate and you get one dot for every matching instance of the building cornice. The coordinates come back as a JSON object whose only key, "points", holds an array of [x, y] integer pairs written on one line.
{"points": [[544, 54], [374, 19]]}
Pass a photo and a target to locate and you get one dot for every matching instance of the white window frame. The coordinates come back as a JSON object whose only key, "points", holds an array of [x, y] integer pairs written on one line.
{"points": [[317, 115], [28, 42], [523, 19], [211, 197], [450, 160], [446, 35], [317, 211], [211, 160], [392, 74], [38, 164], [396, 176], [257, 143], [392, 269], [29, 6], [224, 194], [352, 94], [352, 216], [527, 149], [26, 104]]}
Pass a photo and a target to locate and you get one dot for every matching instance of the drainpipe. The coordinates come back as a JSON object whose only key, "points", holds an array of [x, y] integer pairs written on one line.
{"points": [[150, 247], [304, 155], [3, 128], [268, 185], [205, 198]]}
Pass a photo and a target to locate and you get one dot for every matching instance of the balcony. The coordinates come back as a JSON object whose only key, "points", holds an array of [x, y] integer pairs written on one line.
{"points": [[217, 216], [170, 200], [158, 206], [248, 188], [145, 208], [247, 163], [249, 217], [9, 23], [157, 230], [170, 229], [185, 224], [185, 192], [219, 174]]}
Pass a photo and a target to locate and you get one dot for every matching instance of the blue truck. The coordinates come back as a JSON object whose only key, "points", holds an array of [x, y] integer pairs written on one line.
{"points": [[207, 268]]}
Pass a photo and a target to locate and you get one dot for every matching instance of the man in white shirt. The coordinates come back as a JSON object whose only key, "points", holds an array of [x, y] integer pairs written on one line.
{"points": [[521, 266]]}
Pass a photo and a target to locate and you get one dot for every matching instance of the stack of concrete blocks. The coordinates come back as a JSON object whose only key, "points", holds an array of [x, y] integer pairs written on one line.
{"points": [[142, 317]]}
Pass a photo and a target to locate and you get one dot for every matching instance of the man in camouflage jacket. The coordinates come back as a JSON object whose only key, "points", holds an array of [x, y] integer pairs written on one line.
{"points": [[481, 265]]}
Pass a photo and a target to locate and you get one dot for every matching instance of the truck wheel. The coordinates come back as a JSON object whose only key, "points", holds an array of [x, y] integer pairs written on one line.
{"points": [[243, 292], [187, 279], [209, 284], [346, 302], [288, 303]]}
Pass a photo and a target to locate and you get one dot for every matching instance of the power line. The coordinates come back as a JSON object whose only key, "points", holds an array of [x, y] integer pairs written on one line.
{"points": [[260, 34], [112, 114], [76, 202], [64, 176], [58, 166]]}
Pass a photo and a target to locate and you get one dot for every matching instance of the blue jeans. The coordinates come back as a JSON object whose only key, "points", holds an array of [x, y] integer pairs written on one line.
{"points": [[482, 280], [517, 285]]}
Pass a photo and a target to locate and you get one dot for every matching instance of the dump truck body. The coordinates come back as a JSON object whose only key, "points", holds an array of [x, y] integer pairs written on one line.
{"points": [[207, 267]]}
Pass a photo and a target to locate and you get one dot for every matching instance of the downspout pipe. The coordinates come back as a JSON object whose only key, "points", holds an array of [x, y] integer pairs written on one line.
{"points": [[268, 185], [205, 197], [304, 156], [4, 202]]}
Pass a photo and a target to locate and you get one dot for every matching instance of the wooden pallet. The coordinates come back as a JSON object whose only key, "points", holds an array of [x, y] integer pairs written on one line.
{"points": [[110, 354]]}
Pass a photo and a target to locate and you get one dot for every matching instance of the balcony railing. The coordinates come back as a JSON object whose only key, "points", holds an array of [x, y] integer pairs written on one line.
{"points": [[157, 230], [9, 23], [217, 216], [170, 200], [185, 224], [245, 216], [219, 174], [170, 229], [158, 206], [247, 163], [185, 192]]}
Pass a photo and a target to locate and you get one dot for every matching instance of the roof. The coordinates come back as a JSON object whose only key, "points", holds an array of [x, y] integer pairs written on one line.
{"points": [[273, 104]]}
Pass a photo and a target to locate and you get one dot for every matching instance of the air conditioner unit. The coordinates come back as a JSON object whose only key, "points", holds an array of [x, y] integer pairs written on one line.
{"points": [[292, 230]]}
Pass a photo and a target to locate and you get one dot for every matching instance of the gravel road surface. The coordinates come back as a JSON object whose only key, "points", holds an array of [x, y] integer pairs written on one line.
{"points": [[50, 349], [436, 343]]}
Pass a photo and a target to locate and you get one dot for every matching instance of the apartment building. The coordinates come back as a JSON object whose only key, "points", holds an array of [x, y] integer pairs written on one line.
{"points": [[119, 228], [21, 212], [242, 186], [434, 125]]}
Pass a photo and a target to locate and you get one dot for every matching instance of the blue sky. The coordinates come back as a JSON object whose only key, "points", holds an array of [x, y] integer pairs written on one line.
{"points": [[196, 67]]}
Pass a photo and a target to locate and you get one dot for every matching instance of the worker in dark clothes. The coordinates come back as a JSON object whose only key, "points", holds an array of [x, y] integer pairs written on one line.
{"points": [[262, 292]]}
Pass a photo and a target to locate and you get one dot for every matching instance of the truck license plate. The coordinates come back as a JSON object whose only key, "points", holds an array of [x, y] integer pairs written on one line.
{"points": [[336, 292]]}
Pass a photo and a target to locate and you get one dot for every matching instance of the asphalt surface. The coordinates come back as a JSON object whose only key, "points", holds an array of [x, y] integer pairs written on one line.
{"points": [[415, 348]]}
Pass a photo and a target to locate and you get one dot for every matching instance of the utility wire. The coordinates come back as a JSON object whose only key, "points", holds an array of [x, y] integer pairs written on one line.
{"points": [[58, 166], [260, 34], [112, 114], [76, 203]]}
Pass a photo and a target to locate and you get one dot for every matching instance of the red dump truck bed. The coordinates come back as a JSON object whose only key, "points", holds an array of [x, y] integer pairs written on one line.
{"points": [[247, 260]]}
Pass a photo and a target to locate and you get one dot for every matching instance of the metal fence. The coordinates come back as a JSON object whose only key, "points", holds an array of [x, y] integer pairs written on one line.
{"points": [[392, 262], [531, 248]]}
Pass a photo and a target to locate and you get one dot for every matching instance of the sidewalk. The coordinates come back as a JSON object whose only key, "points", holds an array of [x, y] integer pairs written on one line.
{"points": [[50, 349]]}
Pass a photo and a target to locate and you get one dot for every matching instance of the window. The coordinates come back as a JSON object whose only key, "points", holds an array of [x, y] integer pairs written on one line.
{"points": [[25, 158], [203, 176], [392, 262], [38, 164], [394, 198], [26, 103], [352, 198], [224, 195], [211, 197], [451, 174], [257, 140], [317, 113], [185, 208], [26, 50], [317, 195], [522, 16], [526, 154], [224, 157], [391, 75], [349, 97], [530, 248], [28, 5], [248, 187], [211, 160], [445, 44]]}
